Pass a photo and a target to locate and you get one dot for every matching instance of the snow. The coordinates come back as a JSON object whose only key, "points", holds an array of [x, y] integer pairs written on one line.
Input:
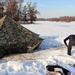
{"points": [[51, 51], [53, 33]]}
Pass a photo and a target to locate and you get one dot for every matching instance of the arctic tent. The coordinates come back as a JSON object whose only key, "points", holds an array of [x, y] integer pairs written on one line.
{"points": [[14, 38]]}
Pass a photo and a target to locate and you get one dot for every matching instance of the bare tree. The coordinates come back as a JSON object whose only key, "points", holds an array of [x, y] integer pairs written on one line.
{"points": [[11, 8], [25, 14], [20, 8], [32, 11]]}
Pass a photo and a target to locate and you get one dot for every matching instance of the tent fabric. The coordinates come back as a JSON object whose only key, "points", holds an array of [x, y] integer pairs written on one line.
{"points": [[15, 38]]}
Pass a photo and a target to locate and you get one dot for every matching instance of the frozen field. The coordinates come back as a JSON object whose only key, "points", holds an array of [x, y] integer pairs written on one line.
{"points": [[51, 51]]}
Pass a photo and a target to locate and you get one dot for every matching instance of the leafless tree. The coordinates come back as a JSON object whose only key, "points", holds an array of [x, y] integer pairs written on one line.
{"points": [[32, 11]]}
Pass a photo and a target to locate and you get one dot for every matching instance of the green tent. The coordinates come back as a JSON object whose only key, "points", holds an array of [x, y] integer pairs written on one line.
{"points": [[15, 38]]}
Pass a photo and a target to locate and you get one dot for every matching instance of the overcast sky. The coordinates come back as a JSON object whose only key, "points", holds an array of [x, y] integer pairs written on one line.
{"points": [[54, 8]]}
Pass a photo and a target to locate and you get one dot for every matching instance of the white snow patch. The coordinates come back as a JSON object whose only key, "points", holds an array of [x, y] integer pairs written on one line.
{"points": [[53, 34]]}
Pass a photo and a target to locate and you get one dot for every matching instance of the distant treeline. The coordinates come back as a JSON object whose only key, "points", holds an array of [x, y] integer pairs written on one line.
{"points": [[62, 19]]}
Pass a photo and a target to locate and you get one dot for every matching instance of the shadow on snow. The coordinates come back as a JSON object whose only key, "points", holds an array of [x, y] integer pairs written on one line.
{"points": [[48, 42]]}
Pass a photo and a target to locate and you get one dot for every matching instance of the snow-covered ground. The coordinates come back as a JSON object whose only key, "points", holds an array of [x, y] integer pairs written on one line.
{"points": [[51, 51], [53, 33]]}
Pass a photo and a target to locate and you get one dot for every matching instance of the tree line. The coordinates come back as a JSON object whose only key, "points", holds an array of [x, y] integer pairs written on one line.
{"points": [[63, 19], [19, 12]]}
